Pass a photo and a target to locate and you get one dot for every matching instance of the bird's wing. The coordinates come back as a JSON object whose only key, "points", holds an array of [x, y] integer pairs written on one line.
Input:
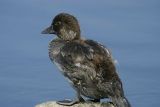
{"points": [[77, 55], [103, 59], [90, 57], [77, 58]]}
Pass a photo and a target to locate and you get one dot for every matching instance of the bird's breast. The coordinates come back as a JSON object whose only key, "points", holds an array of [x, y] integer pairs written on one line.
{"points": [[54, 48]]}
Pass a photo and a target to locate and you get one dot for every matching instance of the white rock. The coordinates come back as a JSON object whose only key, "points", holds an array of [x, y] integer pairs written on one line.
{"points": [[54, 104]]}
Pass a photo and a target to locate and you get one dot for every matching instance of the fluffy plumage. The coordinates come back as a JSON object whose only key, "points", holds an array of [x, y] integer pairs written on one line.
{"points": [[87, 64]]}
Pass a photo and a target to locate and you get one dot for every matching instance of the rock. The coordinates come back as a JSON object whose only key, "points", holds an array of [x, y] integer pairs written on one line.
{"points": [[54, 104]]}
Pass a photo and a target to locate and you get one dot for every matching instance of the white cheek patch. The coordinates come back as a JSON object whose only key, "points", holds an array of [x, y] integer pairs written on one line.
{"points": [[68, 34], [71, 34]]}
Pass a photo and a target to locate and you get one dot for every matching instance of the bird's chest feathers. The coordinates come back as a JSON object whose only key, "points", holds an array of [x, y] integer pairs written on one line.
{"points": [[54, 48]]}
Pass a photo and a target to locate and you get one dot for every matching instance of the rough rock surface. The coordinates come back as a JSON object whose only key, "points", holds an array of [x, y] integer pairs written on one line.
{"points": [[54, 104]]}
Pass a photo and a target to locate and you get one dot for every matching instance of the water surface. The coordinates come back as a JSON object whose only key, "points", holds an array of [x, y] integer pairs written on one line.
{"points": [[129, 28]]}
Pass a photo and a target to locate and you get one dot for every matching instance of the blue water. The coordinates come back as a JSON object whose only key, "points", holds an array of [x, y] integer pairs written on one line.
{"points": [[130, 28]]}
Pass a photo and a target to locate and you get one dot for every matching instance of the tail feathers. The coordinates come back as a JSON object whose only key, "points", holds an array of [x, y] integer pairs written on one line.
{"points": [[121, 102]]}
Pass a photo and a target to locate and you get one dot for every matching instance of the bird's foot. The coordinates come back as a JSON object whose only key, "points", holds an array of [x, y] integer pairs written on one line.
{"points": [[69, 102]]}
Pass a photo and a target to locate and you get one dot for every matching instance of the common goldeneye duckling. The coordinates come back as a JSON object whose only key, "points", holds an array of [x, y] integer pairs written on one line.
{"points": [[87, 64]]}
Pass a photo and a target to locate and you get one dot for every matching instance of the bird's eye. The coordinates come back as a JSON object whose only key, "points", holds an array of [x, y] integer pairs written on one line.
{"points": [[57, 23]]}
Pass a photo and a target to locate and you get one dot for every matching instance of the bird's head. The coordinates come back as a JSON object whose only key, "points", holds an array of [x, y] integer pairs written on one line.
{"points": [[65, 26]]}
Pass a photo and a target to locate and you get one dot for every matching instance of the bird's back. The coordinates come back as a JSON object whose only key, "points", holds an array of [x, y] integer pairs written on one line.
{"points": [[86, 63]]}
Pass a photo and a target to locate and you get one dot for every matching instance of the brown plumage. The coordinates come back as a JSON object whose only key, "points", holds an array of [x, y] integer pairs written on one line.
{"points": [[87, 64]]}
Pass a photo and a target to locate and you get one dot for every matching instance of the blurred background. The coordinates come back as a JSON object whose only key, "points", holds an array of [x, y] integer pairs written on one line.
{"points": [[130, 28]]}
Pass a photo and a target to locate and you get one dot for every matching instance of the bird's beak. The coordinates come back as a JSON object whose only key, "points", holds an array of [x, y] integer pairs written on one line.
{"points": [[49, 30]]}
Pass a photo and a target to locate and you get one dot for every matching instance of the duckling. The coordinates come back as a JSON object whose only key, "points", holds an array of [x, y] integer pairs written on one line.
{"points": [[87, 64]]}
